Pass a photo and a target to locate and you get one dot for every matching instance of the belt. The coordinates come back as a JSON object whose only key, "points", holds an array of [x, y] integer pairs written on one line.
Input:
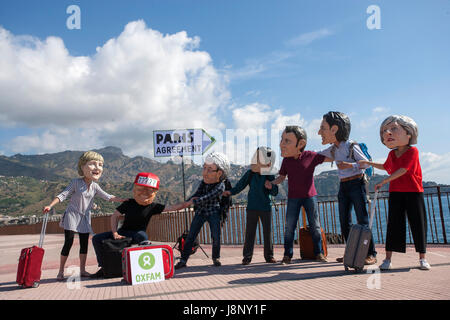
{"points": [[358, 176]]}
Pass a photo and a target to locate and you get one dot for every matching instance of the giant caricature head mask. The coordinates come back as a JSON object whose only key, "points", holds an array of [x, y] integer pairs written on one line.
{"points": [[145, 188], [335, 126], [263, 160], [397, 131], [90, 165], [293, 141]]}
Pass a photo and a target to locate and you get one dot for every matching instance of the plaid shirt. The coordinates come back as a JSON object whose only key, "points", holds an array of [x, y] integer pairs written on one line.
{"points": [[209, 196]]}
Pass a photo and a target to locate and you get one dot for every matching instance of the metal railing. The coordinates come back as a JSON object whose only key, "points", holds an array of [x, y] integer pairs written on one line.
{"points": [[167, 227]]}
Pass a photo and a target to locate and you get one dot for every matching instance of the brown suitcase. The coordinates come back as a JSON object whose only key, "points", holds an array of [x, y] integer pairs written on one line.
{"points": [[305, 240]]}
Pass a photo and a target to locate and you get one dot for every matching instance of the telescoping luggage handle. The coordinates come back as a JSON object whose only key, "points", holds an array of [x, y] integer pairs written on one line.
{"points": [[44, 227], [372, 208]]}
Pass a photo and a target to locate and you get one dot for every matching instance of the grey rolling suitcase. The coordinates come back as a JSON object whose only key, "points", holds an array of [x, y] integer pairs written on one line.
{"points": [[358, 242]]}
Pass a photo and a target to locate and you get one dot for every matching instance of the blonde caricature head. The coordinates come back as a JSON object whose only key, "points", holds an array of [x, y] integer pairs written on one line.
{"points": [[86, 157]]}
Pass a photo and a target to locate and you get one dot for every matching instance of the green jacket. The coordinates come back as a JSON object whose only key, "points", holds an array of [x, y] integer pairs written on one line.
{"points": [[258, 194]]}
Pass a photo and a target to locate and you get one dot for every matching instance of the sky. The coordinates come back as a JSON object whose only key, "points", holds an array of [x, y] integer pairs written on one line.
{"points": [[112, 72]]}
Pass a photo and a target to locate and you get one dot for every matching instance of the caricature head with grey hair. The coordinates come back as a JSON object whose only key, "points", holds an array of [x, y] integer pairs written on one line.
{"points": [[221, 161], [391, 134]]}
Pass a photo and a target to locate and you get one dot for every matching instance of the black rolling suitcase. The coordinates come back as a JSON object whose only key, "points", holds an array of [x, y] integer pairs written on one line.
{"points": [[112, 256], [358, 242]]}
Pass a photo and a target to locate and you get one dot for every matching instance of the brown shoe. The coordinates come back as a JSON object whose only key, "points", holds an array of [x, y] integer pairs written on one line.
{"points": [[286, 260], [271, 260], [370, 260], [340, 259], [321, 258]]}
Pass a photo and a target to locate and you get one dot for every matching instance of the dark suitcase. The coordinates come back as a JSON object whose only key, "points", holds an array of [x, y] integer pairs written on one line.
{"points": [[112, 256], [306, 243], [30, 262], [358, 242]]}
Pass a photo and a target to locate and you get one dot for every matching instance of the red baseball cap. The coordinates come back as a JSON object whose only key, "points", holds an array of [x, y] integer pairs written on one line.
{"points": [[147, 179]]}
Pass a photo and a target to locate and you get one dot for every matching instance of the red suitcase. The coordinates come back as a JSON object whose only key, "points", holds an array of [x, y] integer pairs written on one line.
{"points": [[167, 258], [30, 262]]}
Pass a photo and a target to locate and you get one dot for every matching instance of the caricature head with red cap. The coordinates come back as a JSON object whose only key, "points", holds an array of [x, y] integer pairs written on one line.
{"points": [[146, 185]]}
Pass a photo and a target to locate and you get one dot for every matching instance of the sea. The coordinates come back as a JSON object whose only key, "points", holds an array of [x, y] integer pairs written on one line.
{"points": [[437, 222]]}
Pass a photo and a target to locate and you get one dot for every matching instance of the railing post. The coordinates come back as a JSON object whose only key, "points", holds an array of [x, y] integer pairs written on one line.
{"points": [[441, 212]]}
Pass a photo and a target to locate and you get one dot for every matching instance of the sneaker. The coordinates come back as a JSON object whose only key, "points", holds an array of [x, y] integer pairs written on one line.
{"points": [[321, 258], [246, 261], [271, 260], [99, 274], [424, 265], [386, 265], [180, 264], [370, 260], [286, 260], [216, 262]]}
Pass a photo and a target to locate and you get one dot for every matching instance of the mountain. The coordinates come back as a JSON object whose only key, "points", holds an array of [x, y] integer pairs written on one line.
{"points": [[29, 182]]}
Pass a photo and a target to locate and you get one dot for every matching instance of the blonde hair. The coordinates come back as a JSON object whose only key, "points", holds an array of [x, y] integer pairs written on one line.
{"points": [[86, 157]]}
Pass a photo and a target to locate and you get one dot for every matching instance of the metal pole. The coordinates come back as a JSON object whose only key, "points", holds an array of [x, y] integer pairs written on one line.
{"points": [[184, 193], [442, 214]]}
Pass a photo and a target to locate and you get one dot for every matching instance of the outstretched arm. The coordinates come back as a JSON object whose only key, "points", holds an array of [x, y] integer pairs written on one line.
{"points": [[278, 180], [395, 175], [376, 165], [50, 206], [179, 206]]}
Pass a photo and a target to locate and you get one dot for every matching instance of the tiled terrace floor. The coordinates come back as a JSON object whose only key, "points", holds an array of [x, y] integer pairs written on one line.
{"points": [[301, 280]]}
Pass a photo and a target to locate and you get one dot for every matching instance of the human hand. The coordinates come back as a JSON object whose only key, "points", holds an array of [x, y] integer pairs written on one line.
{"points": [[378, 186], [117, 236], [46, 209], [268, 185], [364, 162], [226, 194]]}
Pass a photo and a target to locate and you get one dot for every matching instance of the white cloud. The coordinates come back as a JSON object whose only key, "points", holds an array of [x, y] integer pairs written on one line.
{"points": [[435, 167], [305, 39], [259, 124], [258, 66], [137, 82], [372, 119]]}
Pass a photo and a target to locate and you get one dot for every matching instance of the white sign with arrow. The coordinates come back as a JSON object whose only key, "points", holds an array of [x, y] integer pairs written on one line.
{"points": [[181, 142]]}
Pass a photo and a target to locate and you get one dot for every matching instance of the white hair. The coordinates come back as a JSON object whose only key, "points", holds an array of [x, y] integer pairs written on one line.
{"points": [[221, 161], [406, 123]]}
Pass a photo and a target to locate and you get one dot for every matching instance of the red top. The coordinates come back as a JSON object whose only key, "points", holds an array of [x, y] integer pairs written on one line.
{"points": [[411, 181], [300, 174]]}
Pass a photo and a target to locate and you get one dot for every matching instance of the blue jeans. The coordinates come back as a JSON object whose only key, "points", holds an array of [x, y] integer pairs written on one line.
{"points": [[197, 223], [294, 206], [137, 236], [353, 192]]}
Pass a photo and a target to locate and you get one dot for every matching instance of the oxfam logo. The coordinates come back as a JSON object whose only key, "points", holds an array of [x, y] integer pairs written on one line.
{"points": [[146, 261]]}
